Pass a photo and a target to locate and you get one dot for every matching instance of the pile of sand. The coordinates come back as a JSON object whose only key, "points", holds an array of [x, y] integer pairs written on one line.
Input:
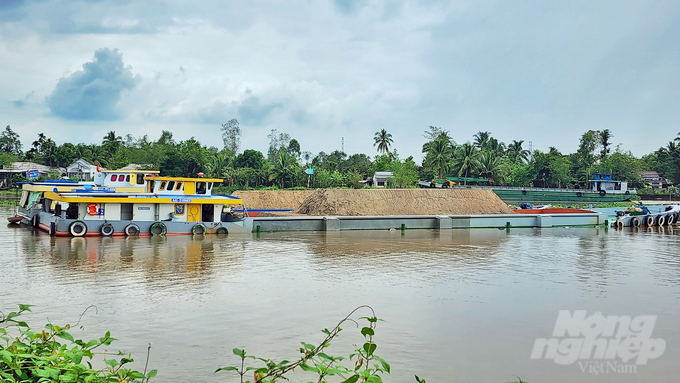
{"points": [[273, 199], [362, 202]]}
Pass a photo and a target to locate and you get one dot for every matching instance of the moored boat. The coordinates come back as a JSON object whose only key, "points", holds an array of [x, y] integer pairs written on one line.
{"points": [[166, 206]]}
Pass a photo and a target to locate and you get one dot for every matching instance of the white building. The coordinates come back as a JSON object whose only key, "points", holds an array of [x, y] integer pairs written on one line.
{"points": [[380, 178], [81, 170]]}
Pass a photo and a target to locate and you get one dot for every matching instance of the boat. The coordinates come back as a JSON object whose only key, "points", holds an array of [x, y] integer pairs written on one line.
{"points": [[165, 206], [528, 208], [32, 195], [602, 188], [641, 216]]}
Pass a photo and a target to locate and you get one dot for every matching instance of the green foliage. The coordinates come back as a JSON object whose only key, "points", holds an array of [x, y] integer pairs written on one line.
{"points": [[10, 142], [54, 355], [363, 364], [383, 140]]}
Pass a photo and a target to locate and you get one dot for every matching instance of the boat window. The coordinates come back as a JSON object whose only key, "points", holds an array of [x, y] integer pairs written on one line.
{"points": [[162, 185], [179, 186], [72, 211], [210, 185], [140, 179], [171, 185], [152, 185], [114, 177], [200, 187], [127, 178], [125, 211]]}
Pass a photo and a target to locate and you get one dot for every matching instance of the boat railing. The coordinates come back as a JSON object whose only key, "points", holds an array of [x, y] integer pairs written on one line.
{"points": [[632, 191]]}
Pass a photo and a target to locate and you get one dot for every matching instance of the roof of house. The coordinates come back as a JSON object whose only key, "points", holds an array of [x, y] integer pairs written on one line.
{"points": [[24, 166]]}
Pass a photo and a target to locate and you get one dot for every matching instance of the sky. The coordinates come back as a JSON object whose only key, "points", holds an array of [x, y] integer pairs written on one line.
{"points": [[324, 70]]}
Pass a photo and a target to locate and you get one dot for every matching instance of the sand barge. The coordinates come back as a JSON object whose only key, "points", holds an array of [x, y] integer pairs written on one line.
{"points": [[363, 202], [273, 199]]}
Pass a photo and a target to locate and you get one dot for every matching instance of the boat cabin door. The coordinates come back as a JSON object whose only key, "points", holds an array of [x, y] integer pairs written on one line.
{"points": [[194, 212]]}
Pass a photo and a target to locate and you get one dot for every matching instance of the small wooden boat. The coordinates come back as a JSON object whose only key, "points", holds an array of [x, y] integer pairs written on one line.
{"points": [[15, 219]]}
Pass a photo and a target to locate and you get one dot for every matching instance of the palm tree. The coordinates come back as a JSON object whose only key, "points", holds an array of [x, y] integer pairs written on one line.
{"points": [[488, 164], [284, 168], [465, 159], [383, 140], [481, 138], [439, 153], [516, 152], [112, 142]]}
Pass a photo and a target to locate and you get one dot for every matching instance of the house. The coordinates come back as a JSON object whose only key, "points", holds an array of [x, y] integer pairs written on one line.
{"points": [[380, 178], [30, 170], [653, 180], [81, 170]]}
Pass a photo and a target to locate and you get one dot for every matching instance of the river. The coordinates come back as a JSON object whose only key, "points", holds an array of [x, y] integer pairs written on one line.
{"points": [[458, 306]]}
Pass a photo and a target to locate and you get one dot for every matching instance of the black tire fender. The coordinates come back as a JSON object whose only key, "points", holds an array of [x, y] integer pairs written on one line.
{"points": [[106, 229], [77, 229], [35, 221], [131, 230], [579, 194], [619, 224], [636, 222], [627, 192], [602, 193], [524, 192], [222, 230], [158, 225], [198, 229], [670, 219], [649, 220]]}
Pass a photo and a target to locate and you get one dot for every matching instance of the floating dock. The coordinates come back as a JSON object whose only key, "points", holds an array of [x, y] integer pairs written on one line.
{"points": [[408, 222]]}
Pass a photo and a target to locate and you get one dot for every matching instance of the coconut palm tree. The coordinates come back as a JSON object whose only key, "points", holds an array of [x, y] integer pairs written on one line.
{"points": [[516, 152], [481, 138], [465, 159], [383, 140], [285, 167], [605, 138], [488, 164], [439, 153]]}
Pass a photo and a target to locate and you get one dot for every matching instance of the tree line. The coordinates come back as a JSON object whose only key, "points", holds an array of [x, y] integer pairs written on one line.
{"points": [[285, 163]]}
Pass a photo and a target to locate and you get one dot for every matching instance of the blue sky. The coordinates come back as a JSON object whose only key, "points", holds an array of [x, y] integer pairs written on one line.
{"points": [[540, 71]]}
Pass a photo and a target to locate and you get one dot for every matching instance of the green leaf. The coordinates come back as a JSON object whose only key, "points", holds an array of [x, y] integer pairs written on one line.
{"points": [[111, 362], [374, 379], [370, 348], [25, 307], [385, 365], [228, 368], [306, 367], [325, 356], [308, 346], [151, 374], [239, 352], [367, 331], [351, 379], [136, 375], [65, 335], [325, 331]]}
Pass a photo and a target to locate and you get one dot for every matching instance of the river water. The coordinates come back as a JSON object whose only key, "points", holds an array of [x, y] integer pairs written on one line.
{"points": [[461, 305]]}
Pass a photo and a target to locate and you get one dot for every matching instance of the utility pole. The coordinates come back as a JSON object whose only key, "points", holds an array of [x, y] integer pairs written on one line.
{"points": [[531, 150]]}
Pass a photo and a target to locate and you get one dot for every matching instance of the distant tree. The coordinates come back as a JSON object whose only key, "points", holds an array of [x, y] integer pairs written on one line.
{"points": [[516, 152], [9, 142], [357, 163], [481, 138], [465, 159], [439, 155], [383, 140], [249, 159], [605, 138], [166, 138], [277, 141], [488, 165], [42, 150], [231, 135], [294, 148], [434, 132]]}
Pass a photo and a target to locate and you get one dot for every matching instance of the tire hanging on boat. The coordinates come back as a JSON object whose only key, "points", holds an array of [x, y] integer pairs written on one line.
{"points": [[158, 229], [198, 229], [579, 194], [661, 220], [619, 224], [602, 193], [77, 229], [635, 221], [649, 220], [131, 230], [35, 221], [222, 230], [106, 229], [670, 219]]}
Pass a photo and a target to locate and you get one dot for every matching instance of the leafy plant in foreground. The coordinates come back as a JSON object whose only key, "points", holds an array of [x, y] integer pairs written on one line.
{"points": [[27, 356], [366, 366]]}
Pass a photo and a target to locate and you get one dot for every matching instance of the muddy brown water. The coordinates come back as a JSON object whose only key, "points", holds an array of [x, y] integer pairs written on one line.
{"points": [[459, 306]]}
